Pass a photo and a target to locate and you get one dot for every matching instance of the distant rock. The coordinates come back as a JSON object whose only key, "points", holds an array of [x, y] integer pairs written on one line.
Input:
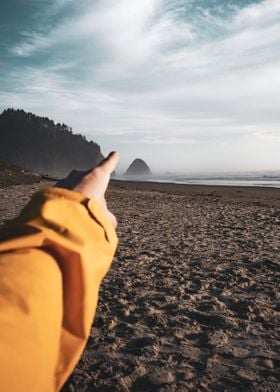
{"points": [[138, 168]]}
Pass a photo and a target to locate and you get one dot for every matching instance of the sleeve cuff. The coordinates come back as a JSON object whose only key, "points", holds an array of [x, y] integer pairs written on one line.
{"points": [[95, 209]]}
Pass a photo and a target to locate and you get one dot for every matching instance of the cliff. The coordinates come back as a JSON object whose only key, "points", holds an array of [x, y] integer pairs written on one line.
{"points": [[38, 144]]}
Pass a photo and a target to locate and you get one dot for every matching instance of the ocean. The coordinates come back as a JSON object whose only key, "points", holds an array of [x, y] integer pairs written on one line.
{"points": [[251, 179]]}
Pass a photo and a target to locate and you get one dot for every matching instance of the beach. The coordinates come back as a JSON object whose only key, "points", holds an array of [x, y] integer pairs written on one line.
{"points": [[192, 300]]}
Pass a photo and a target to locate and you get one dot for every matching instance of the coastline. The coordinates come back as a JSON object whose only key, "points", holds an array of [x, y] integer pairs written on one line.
{"points": [[247, 194]]}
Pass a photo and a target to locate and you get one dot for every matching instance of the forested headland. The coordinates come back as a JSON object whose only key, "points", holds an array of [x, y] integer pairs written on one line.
{"points": [[40, 145]]}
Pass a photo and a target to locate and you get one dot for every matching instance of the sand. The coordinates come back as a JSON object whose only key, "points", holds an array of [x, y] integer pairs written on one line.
{"points": [[12, 175], [192, 300]]}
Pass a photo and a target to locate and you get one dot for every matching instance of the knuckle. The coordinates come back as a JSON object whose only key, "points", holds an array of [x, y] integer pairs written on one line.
{"points": [[97, 171]]}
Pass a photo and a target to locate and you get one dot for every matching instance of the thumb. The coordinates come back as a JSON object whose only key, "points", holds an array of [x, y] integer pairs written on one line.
{"points": [[109, 164]]}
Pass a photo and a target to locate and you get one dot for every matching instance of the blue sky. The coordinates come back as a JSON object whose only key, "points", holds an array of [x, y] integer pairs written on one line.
{"points": [[189, 85]]}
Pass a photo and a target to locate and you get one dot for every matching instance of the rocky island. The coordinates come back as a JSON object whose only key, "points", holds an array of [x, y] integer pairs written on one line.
{"points": [[138, 168]]}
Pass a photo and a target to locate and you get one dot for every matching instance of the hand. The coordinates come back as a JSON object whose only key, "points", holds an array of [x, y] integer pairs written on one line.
{"points": [[94, 182]]}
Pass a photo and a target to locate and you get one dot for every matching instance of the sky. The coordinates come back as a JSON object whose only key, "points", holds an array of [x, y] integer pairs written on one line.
{"points": [[186, 85]]}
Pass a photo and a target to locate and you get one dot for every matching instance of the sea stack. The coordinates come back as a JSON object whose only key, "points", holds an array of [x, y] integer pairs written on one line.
{"points": [[138, 168]]}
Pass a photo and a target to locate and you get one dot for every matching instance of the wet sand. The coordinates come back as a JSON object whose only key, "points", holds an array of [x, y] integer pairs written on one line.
{"points": [[192, 301]]}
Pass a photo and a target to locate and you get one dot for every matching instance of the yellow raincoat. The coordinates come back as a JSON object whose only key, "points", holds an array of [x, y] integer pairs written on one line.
{"points": [[52, 260]]}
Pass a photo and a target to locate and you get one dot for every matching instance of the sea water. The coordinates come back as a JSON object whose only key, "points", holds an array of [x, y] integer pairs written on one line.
{"points": [[252, 179]]}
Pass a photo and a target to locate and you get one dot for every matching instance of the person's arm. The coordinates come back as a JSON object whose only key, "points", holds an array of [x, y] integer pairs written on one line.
{"points": [[53, 258]]}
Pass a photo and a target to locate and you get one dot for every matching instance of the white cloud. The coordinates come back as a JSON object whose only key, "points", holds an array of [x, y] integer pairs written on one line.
{"points": [[132, 67]]}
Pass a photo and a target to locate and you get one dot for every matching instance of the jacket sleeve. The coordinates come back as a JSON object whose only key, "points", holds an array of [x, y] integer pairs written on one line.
{"points": [[53, 258]]}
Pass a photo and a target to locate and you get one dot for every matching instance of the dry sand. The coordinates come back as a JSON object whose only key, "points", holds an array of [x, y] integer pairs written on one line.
{"points": [[192, 300], [12, 175]]}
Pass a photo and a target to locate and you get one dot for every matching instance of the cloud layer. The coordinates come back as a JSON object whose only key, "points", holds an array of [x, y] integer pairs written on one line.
{"points": [[179, 83]]}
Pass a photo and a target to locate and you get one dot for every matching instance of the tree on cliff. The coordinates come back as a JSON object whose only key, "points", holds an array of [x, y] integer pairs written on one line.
{"points": [[38, 144]]}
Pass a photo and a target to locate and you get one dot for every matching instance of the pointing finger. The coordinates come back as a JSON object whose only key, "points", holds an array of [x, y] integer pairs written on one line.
{"points": [[109, 164]]}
